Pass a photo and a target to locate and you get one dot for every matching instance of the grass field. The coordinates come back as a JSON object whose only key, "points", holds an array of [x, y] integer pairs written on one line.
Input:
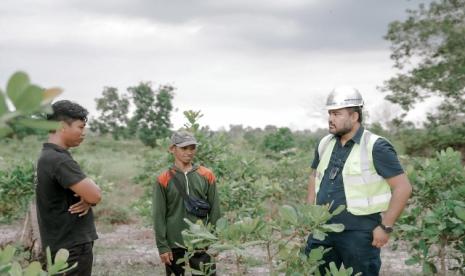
{"points": [[126, 245]]}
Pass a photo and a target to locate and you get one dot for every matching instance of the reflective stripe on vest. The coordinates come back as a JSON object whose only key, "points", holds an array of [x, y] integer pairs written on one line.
{"points": [[366, 192]]}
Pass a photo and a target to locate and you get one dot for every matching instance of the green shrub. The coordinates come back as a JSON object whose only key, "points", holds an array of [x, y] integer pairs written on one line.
{"points": [[278, 141], [16, 190], [13, 265], [434, 223]]}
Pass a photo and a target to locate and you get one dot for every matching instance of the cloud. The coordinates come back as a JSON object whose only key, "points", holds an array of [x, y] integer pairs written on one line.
{"points": [[256, 62], [282, 25]]}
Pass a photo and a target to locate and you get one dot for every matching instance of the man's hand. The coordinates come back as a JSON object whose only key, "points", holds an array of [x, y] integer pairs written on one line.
{"points": [[81, 208], [166, 258], [380, 238]]}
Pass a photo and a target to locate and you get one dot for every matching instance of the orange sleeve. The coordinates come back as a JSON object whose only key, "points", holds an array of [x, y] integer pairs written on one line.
{"points": [[164, 178], [207, 174]]}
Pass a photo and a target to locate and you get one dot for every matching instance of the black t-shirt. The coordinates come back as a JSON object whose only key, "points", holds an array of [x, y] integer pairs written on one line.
{"points": [[56, 172]]}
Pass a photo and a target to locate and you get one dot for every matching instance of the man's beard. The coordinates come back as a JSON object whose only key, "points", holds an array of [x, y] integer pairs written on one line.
{"points": [[344, 130]]}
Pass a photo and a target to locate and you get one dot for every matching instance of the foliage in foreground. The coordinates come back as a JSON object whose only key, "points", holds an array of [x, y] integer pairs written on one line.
{"points": [[12, 267], [434, 224], [283, 236], [28, 99], [16, 190]]}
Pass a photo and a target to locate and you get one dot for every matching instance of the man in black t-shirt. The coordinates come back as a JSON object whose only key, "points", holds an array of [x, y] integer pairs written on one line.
{"points": [[64, 194]]}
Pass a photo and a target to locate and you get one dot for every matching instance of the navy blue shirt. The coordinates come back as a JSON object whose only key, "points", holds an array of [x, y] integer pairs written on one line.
{"points": [[332, 190]]}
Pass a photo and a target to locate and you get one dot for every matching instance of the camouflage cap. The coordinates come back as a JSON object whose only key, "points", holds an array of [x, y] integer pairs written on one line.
{"points": [[183, 138]]}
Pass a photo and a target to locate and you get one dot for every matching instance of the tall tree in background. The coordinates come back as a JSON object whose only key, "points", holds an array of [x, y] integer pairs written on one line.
{"points": [[152, 112], [113, 114], [163, 108], [280, 140], [429, 50]]}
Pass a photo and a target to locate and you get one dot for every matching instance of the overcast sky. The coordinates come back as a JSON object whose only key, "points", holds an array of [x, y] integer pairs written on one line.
{"points": [[245, 62]]}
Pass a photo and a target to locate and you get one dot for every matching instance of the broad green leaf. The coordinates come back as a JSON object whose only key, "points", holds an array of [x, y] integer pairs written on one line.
{"points": [[3, 105], [288, 214], [429, 268], [408, 228], [62, 256], [316, 254], [49, 94], [333, 267], [333, 227], [66, 268], [195, 241], [180, 260], [460, 212], [196, 272], [34, 269], [338, 210], [16, 270], [319, 235], [424, 248], [47, 109], [411, 261], [221, 247], [30, 99], [38, 124], [16, 86], [4, 268], [454, 220], [49, 256], [221, 224], [6, 255]]}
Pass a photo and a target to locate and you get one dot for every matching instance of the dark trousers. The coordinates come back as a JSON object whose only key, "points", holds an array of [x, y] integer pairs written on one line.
{"points": [[351, 248], [194, 262], [82, 254]]}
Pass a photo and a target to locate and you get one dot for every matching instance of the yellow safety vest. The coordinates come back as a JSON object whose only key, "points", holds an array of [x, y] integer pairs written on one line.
{"points": [[366, 192]]}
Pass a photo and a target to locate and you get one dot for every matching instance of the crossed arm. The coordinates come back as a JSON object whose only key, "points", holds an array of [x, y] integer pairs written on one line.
{"points": [[89, 193]]}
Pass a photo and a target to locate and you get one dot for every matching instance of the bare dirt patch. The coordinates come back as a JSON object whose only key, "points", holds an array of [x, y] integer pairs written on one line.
{"points": [[132, 245], [9, 233], [131, 250]]}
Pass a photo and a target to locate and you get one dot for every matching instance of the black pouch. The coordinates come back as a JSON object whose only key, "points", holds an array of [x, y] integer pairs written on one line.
{"points": [[197, 207]]}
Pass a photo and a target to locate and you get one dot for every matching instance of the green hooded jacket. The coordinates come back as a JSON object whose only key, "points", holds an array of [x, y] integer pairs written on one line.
{"points": [[168, 205]]}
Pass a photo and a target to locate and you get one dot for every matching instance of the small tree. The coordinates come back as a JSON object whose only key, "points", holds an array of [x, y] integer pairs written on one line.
{"points": [[152, 112], [283, 238], [163, 108], [280, 140], [430, 49], [434, 224], [213, 146], [113, 117]]}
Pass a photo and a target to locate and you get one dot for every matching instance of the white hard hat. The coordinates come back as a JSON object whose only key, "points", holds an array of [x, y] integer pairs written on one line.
{"points": [[342, 97]]}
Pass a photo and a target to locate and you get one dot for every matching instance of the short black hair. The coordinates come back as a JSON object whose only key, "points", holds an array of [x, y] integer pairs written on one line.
{"points": [[357, 109], [68, 112]]}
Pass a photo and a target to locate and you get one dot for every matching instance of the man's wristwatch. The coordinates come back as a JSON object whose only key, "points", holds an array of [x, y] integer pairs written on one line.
{"points": [[387, 229]]}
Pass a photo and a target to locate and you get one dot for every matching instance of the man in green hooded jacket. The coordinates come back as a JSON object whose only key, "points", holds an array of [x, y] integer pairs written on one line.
{"points": [[169, 207]]}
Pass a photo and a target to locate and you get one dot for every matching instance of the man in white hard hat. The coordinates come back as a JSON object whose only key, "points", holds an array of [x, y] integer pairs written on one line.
{"points": [[358, 169]]}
